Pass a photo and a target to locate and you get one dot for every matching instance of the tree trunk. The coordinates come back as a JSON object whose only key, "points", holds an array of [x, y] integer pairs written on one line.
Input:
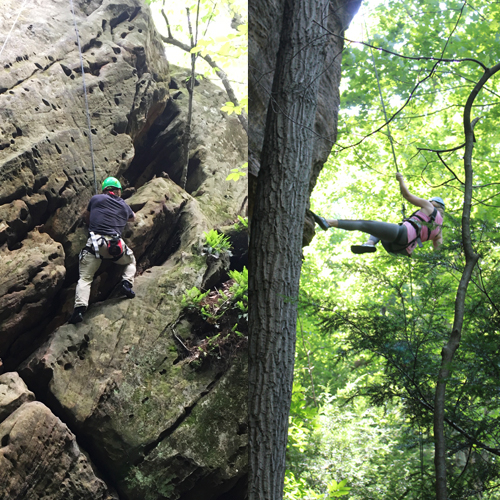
{"points": [[190, 88], [276, 238], [187, 130], [471, 259]]}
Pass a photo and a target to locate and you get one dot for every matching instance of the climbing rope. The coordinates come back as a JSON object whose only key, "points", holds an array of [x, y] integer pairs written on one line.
{"points": [[11, 29], [421, 462], [85, 95], [403, 208]]}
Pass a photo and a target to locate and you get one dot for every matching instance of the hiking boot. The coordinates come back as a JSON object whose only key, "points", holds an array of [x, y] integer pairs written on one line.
{"points": [[77, 316], [364, 248], [127, 289], [320, 221]]}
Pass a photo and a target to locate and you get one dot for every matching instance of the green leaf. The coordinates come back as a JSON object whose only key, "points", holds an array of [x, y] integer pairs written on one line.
{"points": [[237, 172], [225, 49]]}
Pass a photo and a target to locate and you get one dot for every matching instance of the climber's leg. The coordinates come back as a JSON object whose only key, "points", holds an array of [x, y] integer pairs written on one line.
{"points": [[385, 231], [88, 267], [128, 260]]}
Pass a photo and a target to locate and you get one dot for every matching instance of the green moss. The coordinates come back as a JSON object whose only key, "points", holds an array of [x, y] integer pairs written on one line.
{"points": [[221, 413], [150, 486]]}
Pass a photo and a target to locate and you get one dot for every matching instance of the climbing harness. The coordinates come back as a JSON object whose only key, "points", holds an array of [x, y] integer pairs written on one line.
{"points": [[115, 246], [85, 95], [12, 28], [417, 224]]}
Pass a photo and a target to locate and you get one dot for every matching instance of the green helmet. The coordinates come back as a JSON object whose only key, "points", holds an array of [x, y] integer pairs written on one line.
{"points": [[111, 182]]}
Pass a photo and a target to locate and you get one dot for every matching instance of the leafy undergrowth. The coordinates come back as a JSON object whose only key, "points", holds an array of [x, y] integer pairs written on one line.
{"points": [[219, 318]]}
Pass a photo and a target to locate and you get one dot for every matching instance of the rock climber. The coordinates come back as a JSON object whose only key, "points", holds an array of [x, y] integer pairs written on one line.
{"points": [[106, 216], [423, 225]]}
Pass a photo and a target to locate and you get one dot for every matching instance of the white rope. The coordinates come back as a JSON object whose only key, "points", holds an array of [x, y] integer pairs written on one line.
{"points": [[11, 29], [85, 95]]}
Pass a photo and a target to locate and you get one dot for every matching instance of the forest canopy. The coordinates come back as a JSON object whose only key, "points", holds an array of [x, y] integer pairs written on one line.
{"points": [[372, 328]]}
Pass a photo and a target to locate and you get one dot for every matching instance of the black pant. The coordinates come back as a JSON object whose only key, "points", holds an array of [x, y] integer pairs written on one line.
{"points": [[394, 237]]}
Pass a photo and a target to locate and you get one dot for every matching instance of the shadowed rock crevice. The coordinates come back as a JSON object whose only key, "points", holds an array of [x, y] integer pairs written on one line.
{"points": [[159, 149], [196, 175]]}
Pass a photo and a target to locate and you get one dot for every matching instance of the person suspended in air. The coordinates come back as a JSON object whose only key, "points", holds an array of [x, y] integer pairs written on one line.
{"points": [[423, 225], [106, 216]]}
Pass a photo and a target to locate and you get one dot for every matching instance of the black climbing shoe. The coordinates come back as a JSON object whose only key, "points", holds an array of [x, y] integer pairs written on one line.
{"points": [[127, 289], [320, 221], [77, 316], [363, 248]]}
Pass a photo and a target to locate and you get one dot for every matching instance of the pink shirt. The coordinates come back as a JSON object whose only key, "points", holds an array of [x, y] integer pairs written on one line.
{"points": [[424, 232]]}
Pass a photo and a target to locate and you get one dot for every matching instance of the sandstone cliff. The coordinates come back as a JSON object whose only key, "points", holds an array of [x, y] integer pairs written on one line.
{"points": [[112, 408]]}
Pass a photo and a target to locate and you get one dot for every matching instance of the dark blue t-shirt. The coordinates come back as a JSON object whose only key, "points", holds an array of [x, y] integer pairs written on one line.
{"points": [[108, 214]]}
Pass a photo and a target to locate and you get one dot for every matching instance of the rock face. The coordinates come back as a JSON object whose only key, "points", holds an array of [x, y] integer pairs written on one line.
{"points": [[218, 144], [46, 175], [13, 393], [121, 385], [264, 33], [31, 434], [30, 277], [149, 423]]}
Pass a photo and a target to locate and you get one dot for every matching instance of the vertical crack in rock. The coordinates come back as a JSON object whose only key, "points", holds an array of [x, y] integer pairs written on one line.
{"points": [[187, 411]]}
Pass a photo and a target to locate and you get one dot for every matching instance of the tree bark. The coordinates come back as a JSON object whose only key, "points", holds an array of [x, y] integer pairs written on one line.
{"points": [[281, 197], [471, 259]]}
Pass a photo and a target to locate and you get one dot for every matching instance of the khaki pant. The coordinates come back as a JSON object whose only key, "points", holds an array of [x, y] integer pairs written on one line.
{"points": [[89, 265]]}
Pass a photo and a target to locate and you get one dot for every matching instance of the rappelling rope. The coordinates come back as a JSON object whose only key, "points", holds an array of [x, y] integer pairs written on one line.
{"points": [[403, 208], [85, 95], [421, 462], [383, 109], [11, 29]]}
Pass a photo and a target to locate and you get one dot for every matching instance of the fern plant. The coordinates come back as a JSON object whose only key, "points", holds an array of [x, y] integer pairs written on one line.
{"points": [[193, 298], [242, 224], [216, 243], [240, 289]]}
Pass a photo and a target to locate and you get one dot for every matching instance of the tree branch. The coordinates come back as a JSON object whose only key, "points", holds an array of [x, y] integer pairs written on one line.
{"points": [[166, 21], [471, 259], [448, 168], [456, 148], [220, 72], [412, 58], [190, 87]]}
